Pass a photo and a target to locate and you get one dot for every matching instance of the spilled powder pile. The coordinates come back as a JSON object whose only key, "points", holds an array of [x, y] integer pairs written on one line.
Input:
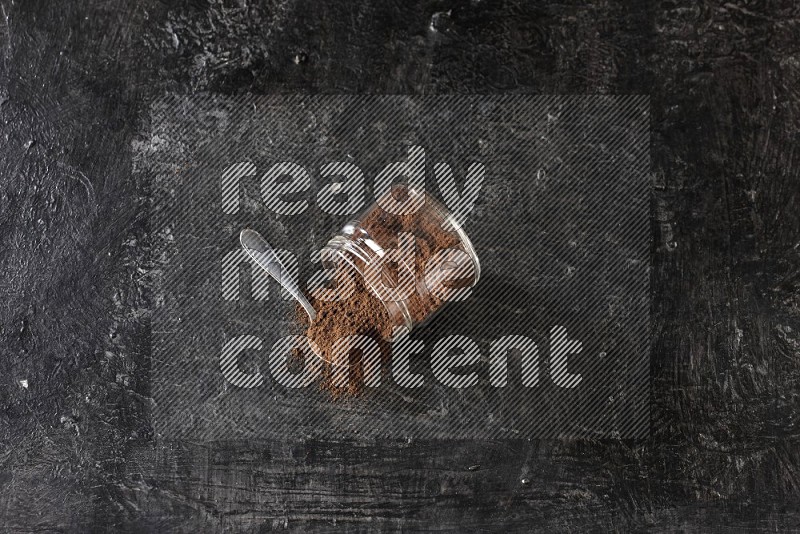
{"points": [[363, 313]]}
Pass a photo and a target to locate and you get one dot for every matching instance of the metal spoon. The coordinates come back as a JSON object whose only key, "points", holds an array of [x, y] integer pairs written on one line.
{"points": [[258, 249]]}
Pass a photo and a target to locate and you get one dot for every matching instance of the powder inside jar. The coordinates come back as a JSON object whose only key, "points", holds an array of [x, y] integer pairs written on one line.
{"points": [[363, 313]]}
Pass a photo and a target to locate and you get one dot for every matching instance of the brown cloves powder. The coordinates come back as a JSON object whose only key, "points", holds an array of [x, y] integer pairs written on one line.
{"points": [[363, 313]]}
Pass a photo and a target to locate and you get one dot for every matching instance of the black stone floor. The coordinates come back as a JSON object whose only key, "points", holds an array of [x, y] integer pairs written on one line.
{"points": [[76, 445]]}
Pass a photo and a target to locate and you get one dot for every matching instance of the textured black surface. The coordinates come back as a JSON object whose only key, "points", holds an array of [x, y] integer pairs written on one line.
{"points": [[76, 448]]}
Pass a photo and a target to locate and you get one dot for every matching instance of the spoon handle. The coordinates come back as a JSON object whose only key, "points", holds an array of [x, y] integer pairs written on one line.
{"points": [[258, 249]]}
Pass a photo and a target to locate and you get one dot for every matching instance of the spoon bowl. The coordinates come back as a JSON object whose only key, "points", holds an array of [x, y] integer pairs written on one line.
{"points": [[264, 255]]}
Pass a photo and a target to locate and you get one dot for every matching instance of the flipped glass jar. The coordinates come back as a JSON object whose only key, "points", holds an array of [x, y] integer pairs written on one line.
{"points": [[410, 253]]}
